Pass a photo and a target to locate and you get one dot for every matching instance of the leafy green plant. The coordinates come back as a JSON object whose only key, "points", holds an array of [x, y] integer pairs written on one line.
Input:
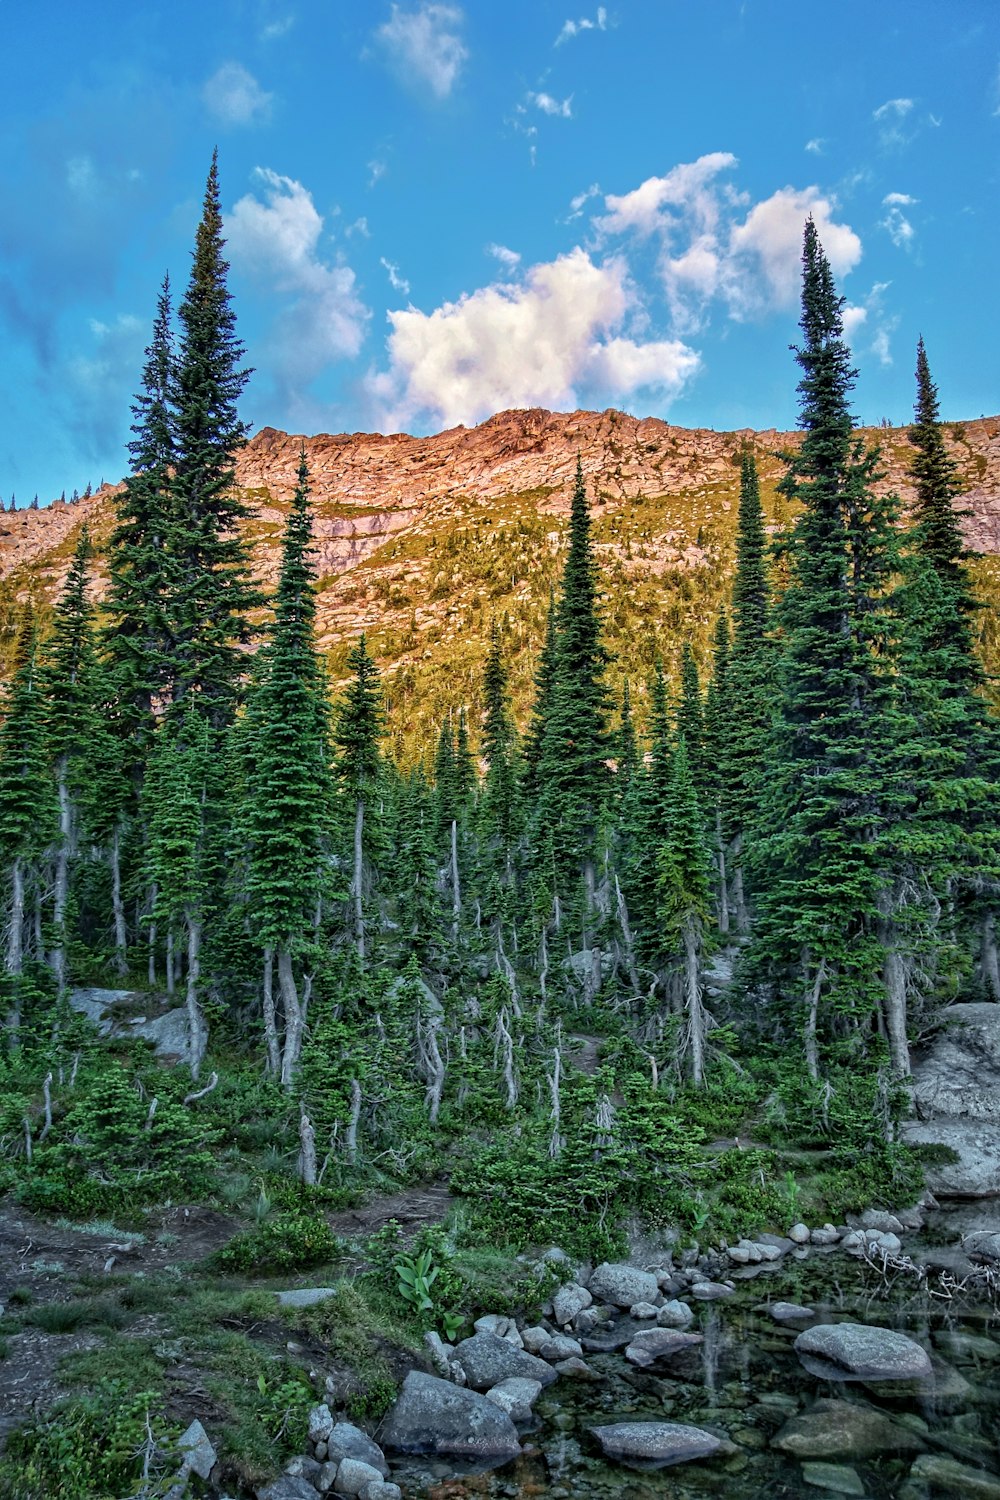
{"points": [[285, 1242], [416, 1274]]}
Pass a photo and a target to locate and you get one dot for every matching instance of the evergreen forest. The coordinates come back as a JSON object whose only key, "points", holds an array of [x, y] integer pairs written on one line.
{"points": [[584, 968]]}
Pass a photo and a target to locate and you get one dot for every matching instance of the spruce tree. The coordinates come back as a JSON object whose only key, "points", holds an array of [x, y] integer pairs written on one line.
{"points": [[358, 727], [210, 590], [683, 900], [937, 534], [573, 778], [137, 640], [818, 864], [690, 713], [498, 812], [286, 819], [541, 706], [716, 743]]}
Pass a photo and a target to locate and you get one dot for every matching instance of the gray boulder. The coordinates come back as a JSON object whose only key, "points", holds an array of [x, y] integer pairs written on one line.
{"points": [[658, 1343], [167, 1031], [487, 1360], [321, 1424], [354, 1477], [516, 1397], [976, 1173], [306, 1296], [843, 1429], [710, 1291], [560, 1346], [199, 1455], [347, 1441], [381, 1489], [865, 1352], [287, 1487], [434, 1416], [501, 1327], [836, 1477], [790, 1312], [949, 1477], [569, 1301], [982, 1244], [655, 1445], [623, 1285], [674, 1314]]}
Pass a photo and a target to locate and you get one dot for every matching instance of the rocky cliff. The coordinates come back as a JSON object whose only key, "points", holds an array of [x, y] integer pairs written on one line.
{"points": [[423, 541]]}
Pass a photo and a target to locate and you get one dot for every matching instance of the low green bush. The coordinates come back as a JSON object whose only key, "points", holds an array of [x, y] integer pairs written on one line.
{"points": [[286, 1242]]}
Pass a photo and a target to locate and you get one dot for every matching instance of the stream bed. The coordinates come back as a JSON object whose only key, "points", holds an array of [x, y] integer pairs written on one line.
{"points": [[787, 1432]]}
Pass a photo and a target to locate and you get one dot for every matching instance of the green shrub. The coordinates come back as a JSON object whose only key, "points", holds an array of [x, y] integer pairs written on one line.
{"points": [[286, 1242]]}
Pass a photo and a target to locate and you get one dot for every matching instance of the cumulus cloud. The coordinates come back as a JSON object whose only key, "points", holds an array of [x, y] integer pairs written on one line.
{"points": [[275, 237], [234, 96], [573, 28], [560, 333], [896, 224], [710, 245], [426, 43], [397, 282], [551, 106]]}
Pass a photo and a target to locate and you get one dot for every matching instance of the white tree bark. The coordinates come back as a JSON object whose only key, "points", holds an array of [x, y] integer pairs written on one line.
{"points": [[692, 1000], [720, 845], [895, 980], [171, 972], [197, 1029], [356, 885], [739, 898], [307, 1149], [812, 1017], [117, 905], [294, 1024], [270, 1020], [456, 889], [625, 928], [60, 885], [352, 1122], [15, 930], [988, 956]]}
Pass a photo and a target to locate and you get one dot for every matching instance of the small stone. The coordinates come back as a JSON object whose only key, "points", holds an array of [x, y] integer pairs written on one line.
{"points": [[769, 1253], [843, 1429], [439, 1354], [658, 1343], [877, 1218], [836, 1477], [327, 1476], [655, 1445], [576, 1369], [286, 1487], [739, 1255], [586, 1320], [303, 1467], [320, 1451], [381, 1489], [348, 1441], [353, 1477], [674, 1314], [306, 1296], [872, 1353], [828, 1235], [642, 1310], [799, 1234], [487, 1360], [501, 1327], [623, 1285], [560, 1346], [709, 1291]]}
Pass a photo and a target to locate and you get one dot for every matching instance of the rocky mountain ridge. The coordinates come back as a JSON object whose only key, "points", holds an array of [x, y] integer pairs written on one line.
{"points": [[421, 541]]}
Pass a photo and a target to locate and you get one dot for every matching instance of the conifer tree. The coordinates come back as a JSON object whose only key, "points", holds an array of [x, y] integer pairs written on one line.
{"points": [[210, 590], [626, 746], [750, 686], [937, 533], [572, 768], [541, 706], [28, 811], [690, 713], [137, 639], [359, 726], [286, 820], [499, 798], [819, 863], [716, 742], [684, 900]]}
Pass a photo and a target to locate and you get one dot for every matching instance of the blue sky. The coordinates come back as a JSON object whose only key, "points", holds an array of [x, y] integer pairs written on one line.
{"points": [[437, 210]]}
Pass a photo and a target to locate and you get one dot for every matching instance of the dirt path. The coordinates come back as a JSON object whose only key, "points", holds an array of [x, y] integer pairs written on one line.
{"points": [[412, 1209]]}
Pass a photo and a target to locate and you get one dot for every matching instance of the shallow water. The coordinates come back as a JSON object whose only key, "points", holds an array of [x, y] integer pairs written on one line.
{"points": [[745, 1381]]}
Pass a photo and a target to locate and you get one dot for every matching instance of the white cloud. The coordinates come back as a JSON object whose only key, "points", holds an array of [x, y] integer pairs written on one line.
{"points": [[895, 223], [854, 317], [360, 226], [816, 145], [889, 118], [397, 282], [577, 204], [277, 28], [426, 42], [573, 28], [710, 246], [560, 332], [506, 257], [276, 238], [235, 97], [376, 171], [551, 106], [901, 200]]}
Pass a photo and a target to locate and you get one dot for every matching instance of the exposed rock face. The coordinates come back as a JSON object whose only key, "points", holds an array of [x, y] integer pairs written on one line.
{"points": [[956, 1094]]}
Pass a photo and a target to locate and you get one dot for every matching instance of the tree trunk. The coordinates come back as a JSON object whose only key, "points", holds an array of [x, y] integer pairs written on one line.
{"points": [[692, 1001], [270, 1021], [988, 956], [359, 916], [589, 883], [60, 885], [456, 889], [812, 1017], [171, 976], [292, 1015], [626, 932], [117, 905], [352, 1123], [151, 961], [307, 1149], [435, 1069], [197, 1030], [720, 845], [894, 978], [739, 898], [15, 932]]}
